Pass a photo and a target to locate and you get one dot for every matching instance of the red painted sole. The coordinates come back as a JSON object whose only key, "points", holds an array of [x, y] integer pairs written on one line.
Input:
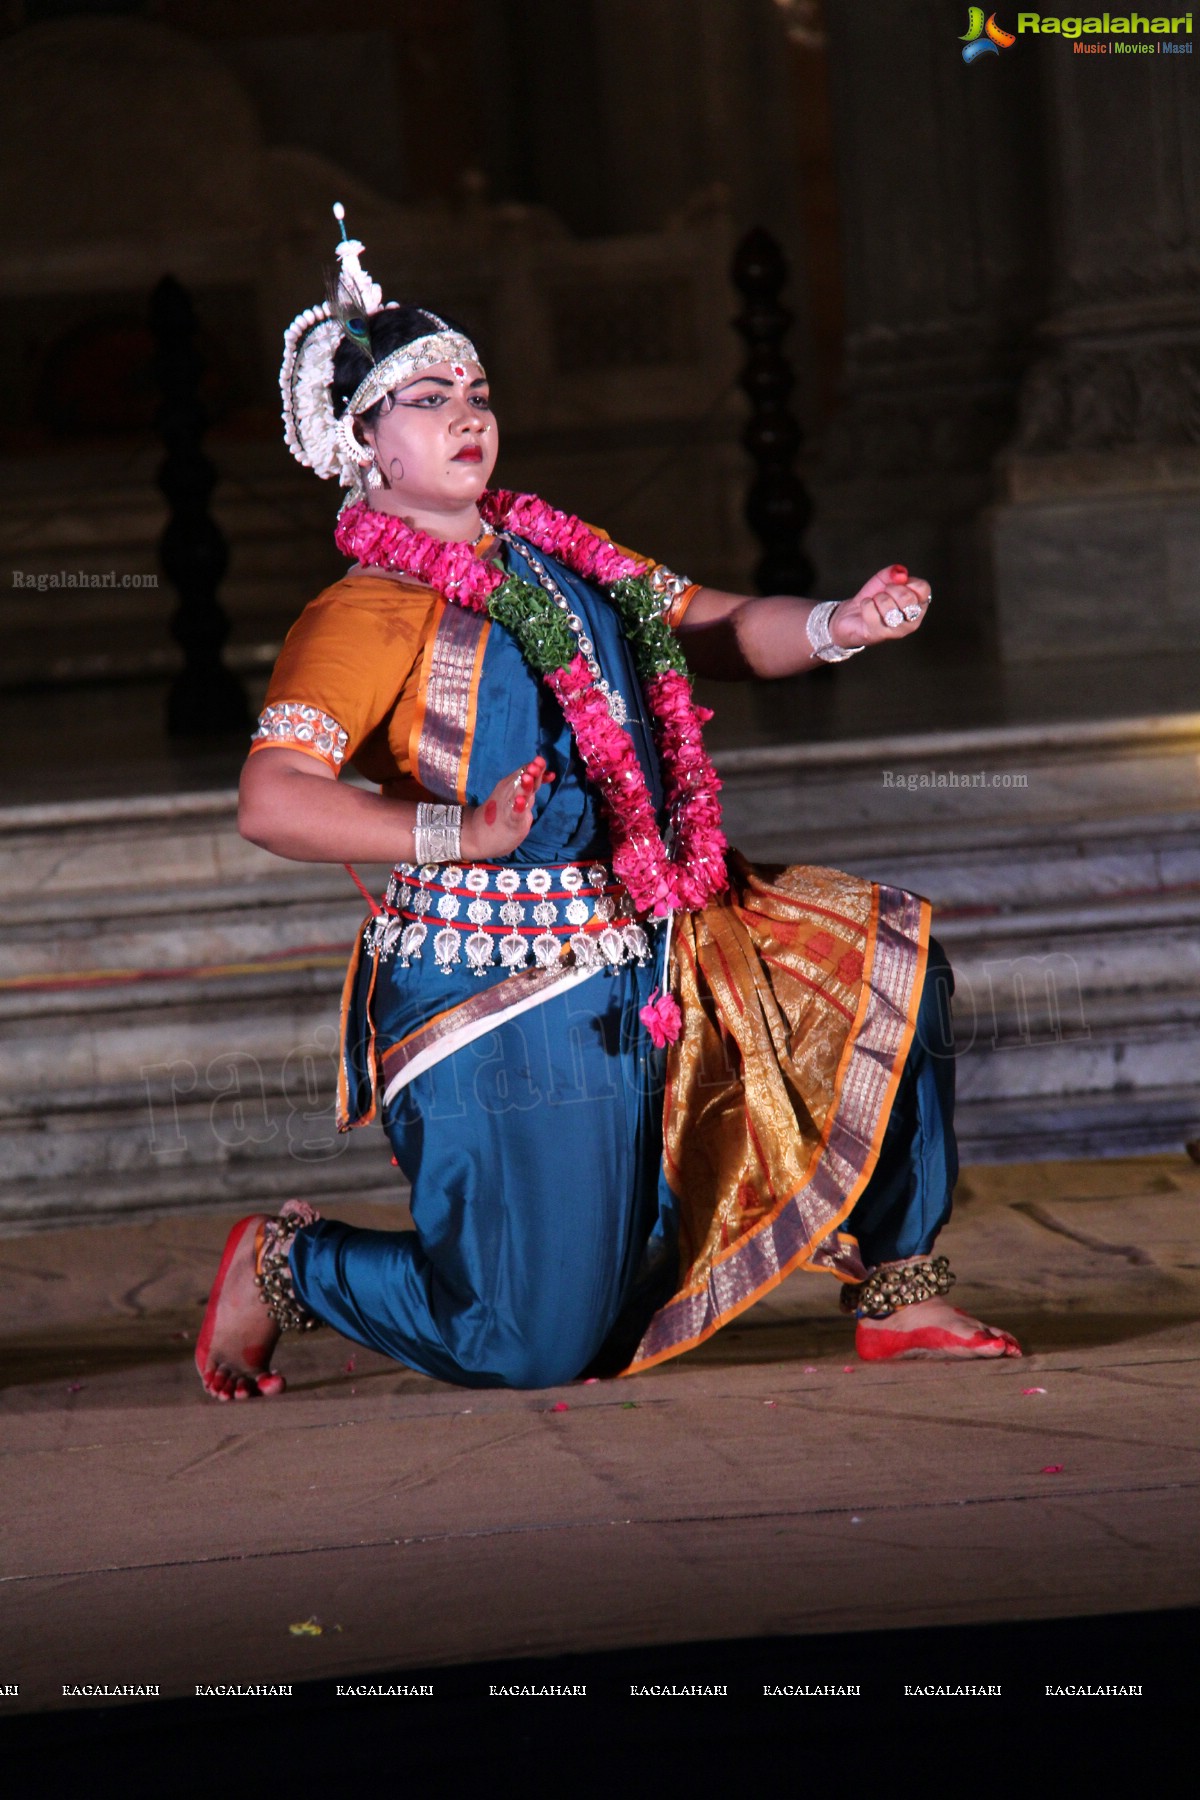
{"points": [[892, 1346], [268, 1382]]}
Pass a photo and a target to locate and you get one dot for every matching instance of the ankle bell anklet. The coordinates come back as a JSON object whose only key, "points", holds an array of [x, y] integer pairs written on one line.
{"points": [[272, 1271], [893, 1285]]}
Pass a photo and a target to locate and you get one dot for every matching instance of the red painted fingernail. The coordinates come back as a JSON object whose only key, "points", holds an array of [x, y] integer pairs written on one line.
{"points": [[489, 813], [899, 572]]}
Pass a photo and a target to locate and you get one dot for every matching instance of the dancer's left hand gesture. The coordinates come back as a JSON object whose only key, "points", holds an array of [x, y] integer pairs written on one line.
{"points": [[890, 605]]}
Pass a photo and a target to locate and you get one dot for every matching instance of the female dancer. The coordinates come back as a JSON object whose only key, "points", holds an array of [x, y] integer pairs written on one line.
{"points": [[633, 1081]]}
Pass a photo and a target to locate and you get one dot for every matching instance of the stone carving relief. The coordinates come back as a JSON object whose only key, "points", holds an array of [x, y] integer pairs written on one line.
{"points": [[1131, 394]]}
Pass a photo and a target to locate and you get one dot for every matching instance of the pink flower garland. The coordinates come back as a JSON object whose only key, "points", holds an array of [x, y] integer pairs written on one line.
{"points": [[383, 541], [560, 534], [657, 883]]}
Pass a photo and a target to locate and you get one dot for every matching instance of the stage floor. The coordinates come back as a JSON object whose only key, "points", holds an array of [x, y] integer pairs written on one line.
{"points": [[766, 1486]]}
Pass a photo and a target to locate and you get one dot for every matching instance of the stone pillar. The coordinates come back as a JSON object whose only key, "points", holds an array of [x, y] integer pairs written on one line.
{"points": [[1096, 538], [938, 193], [615, 114]]}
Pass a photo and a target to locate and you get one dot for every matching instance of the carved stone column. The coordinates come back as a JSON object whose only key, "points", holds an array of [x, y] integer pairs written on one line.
{"points": [[939, 197], [1097, 538]]}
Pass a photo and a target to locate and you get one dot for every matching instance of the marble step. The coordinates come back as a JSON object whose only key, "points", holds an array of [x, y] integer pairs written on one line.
{"points": [[1058, 789], [246, 1132], [1114, 941], [240, 967], [226, 1082], [1073, 1127], [251, 1115], [114, 1036], [1071, 919], [1128, 792], [101, 980], [192, 1184], [1041, 1028]]}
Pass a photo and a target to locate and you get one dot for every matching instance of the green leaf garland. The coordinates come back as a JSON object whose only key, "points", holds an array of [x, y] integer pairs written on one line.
{"points": [[539, 628], [654, 645]]}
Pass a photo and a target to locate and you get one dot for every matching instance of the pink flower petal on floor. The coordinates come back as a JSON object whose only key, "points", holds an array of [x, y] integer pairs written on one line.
{"points": [[74, 1387], [1051, 1469], [349, 1366], [590, 1380], [849, 1369], [810, 1368], [1033, 1390], [560, 1406], [770, 1403]]}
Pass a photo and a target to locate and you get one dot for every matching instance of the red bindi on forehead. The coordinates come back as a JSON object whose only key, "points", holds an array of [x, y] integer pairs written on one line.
{"points": [[458, 370]]}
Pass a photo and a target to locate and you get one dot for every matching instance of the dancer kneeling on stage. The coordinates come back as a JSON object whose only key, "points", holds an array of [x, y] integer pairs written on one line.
{"points": [[633, 1081]]}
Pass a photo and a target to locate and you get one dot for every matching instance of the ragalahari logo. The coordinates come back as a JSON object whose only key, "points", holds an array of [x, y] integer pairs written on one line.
{"points": [[984, 38]]}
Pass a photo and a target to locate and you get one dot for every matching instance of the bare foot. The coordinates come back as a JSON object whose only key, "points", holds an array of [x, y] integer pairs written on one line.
{"points": [[930, 1328], [238, 1336]]}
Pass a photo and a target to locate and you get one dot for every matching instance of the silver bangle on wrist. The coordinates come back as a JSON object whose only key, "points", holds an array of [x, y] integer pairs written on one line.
{"points": [[437, 835], [820, 640]]}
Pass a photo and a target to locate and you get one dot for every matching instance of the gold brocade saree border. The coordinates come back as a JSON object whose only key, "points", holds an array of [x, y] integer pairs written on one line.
{"points": [[443, 727], [801, 1229]]}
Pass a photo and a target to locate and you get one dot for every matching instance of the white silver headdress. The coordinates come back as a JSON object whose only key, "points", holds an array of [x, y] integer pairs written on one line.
{"points": [[323, 443]]}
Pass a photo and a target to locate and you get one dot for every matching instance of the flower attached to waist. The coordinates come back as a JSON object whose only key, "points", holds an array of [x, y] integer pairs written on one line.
{"points": [[662, 1018]]}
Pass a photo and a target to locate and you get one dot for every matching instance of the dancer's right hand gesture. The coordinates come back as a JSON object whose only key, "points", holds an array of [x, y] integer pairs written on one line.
{"points": [[492, 831]]}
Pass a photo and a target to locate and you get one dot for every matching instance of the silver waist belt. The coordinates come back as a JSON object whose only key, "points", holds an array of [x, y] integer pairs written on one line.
{"points": [[493, 914]]}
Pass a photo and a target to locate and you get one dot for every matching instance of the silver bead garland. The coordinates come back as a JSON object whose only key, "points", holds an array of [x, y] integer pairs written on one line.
{"points": [[615, 700]]}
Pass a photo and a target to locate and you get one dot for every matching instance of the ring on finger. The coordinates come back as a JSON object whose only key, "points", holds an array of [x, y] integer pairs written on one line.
{"points": [[893, 616], [911, 613]]}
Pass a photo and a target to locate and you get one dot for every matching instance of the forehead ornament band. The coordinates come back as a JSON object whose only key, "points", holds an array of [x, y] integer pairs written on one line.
{"points": [[409, 360]]}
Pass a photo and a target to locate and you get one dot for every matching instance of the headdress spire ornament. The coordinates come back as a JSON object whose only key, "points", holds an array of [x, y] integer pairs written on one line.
{"points": [[316, 437]]}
